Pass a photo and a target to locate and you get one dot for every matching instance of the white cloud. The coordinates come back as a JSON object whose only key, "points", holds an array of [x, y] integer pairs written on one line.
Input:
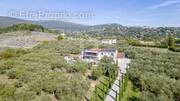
{"points": [[163, 4]]}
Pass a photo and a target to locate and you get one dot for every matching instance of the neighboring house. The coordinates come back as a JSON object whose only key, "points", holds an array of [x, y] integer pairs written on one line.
{"points": [[95, 55], [109, 41], [63, 34]]}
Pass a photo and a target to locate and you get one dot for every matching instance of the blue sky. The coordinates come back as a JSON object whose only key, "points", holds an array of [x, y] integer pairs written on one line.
{"points": [[125, 12]]}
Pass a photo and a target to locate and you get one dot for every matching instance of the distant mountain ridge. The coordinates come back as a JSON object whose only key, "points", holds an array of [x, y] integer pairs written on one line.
{"points": [[111, 29], [8, 21], [53, 24], [67, 26]]}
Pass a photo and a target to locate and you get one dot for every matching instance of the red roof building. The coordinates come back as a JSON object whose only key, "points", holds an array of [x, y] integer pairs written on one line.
{"points": [[120, 56]]}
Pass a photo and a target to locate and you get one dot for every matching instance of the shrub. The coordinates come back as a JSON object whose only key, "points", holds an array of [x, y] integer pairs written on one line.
{"points": [[6, 92], [18, 84], [50, 82], [96, 73], [81, 67], [36, 86], [16, 73], [72, 90], [60, 64], [43, 97], [108, 66], [60, 37], [24, 94], [25, 26], [12, 74], [5, 65], [9, 53]]}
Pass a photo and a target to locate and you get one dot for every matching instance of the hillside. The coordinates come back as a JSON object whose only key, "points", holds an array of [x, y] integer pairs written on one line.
{"points": [[67, 26], [60, 25], [103, 29], [42, 74], [8, 21]]}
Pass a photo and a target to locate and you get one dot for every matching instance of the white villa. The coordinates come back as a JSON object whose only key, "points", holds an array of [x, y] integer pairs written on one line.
{"points": [[94, 55], [109, 41]]}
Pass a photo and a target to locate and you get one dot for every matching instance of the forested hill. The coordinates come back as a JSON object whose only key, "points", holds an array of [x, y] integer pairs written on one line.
{"points": [[8, 21], [23, 26], [137, 31], [60, 25], [110, 29]]}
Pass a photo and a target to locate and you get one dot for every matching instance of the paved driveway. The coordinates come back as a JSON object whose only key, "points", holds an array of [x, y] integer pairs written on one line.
{"points": [[123, 64]]}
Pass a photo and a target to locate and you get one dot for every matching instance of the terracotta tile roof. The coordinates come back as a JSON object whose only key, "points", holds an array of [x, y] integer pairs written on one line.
{"points": [[103, 49], [120, 55], [95, 49]]}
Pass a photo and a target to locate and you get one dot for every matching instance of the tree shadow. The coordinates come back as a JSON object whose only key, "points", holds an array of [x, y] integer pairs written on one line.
{"points": [[133, 98]]}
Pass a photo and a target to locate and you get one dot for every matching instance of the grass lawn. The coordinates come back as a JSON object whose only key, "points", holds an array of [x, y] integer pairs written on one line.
{"points": [[131, 94]]}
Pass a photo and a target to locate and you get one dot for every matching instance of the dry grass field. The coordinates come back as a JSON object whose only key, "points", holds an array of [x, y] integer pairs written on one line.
{"points": [[24, 39]]}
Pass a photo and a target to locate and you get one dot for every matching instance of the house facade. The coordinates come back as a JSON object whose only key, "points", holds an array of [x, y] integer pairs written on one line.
{"points": [[95, 55], [109, 41]]}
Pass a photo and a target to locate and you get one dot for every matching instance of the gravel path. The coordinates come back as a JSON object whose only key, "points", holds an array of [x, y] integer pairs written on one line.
{"points": [[123, 64]]}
